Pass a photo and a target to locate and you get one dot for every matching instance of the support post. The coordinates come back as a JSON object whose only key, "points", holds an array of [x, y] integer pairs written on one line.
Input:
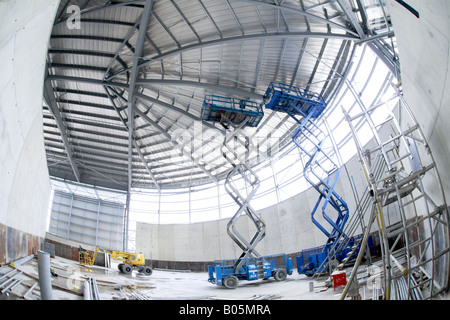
{"points": [[45, 281]]}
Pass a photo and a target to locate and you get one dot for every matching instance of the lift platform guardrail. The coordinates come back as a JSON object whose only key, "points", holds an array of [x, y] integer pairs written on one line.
{"points": [[236, 111]]}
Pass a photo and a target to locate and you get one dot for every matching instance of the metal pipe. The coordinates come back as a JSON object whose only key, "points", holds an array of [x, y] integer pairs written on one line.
{"points": [[408, 295], [18, 281], [91, 290], [7, 274], [12, 285], [94, 289], [18, 262], [123, 293], [416, 288], [45, 282], [87, 291], [2, 285], [394, 293], [29, 290], [360, 254]]}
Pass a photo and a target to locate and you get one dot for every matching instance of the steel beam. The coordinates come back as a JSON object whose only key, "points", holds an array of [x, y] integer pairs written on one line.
{"points": [[89, 81], [210, 18], [120, 48], [300, 12], [49, 97], [174, 143], [210, 86], [258, 64], [166, 105], [250, 37], [108, 5], [167, 135], [112, 84], [185, 19], [133, 78], [136, 146], [352, 18]]}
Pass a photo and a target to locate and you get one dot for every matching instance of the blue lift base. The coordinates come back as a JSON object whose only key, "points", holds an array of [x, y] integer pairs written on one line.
{"points": [[312, 261], [276, 266]]}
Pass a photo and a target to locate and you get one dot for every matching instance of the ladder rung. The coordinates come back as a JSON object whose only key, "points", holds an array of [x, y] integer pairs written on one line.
{"points": [[404, 204], [384, 122], [403, 192], [399, 159]]}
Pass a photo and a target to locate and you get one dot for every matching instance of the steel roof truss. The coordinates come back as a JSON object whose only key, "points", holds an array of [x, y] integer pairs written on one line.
{"points": [[49, 97]]}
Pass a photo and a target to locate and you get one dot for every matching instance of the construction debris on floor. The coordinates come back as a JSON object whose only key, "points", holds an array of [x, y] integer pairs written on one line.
{"points": [[72, 281]]}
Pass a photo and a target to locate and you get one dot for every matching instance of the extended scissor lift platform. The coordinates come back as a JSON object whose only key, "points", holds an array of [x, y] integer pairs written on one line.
{"points": [[234, 115], [233, 111], [304, 107], [293, 100]]}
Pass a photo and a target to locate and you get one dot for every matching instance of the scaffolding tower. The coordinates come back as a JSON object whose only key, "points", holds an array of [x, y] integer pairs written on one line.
{"points": [[408, 203]]}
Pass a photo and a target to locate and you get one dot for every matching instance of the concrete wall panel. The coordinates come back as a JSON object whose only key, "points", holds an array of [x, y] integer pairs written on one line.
{"points": [[24, 34], [425, 60]]}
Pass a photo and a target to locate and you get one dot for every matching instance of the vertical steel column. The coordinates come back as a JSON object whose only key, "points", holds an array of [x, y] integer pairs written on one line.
{"points": [[126, 218], [145, 18], [97, 222], [70, 215]]}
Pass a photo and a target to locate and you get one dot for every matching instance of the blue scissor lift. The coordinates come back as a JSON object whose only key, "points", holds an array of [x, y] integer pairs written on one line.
{"points": [[235, 114], [304, 107]]}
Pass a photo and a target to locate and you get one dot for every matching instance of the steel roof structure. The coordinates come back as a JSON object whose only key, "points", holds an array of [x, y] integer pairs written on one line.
{"points": [[126, 80]]}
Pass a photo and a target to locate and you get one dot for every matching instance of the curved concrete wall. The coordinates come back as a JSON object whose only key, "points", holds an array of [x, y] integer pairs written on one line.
{"points": [[289, 229], [25, 28], [423, 45]]}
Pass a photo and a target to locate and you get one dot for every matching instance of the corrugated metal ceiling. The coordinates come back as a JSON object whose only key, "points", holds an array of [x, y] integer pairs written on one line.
{"points": [[190, 49]]}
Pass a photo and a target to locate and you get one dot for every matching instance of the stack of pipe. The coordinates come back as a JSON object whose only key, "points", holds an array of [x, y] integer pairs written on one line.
{"points": [[91, 289], [10, 283]]}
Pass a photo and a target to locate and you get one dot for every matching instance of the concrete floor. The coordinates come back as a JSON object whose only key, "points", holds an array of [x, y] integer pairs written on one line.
{"points": [[70, 276], [162, 284]]}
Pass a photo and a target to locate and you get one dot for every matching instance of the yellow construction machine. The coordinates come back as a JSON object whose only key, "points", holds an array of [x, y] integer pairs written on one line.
{"points": [[86, 257], [130, 261]]}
